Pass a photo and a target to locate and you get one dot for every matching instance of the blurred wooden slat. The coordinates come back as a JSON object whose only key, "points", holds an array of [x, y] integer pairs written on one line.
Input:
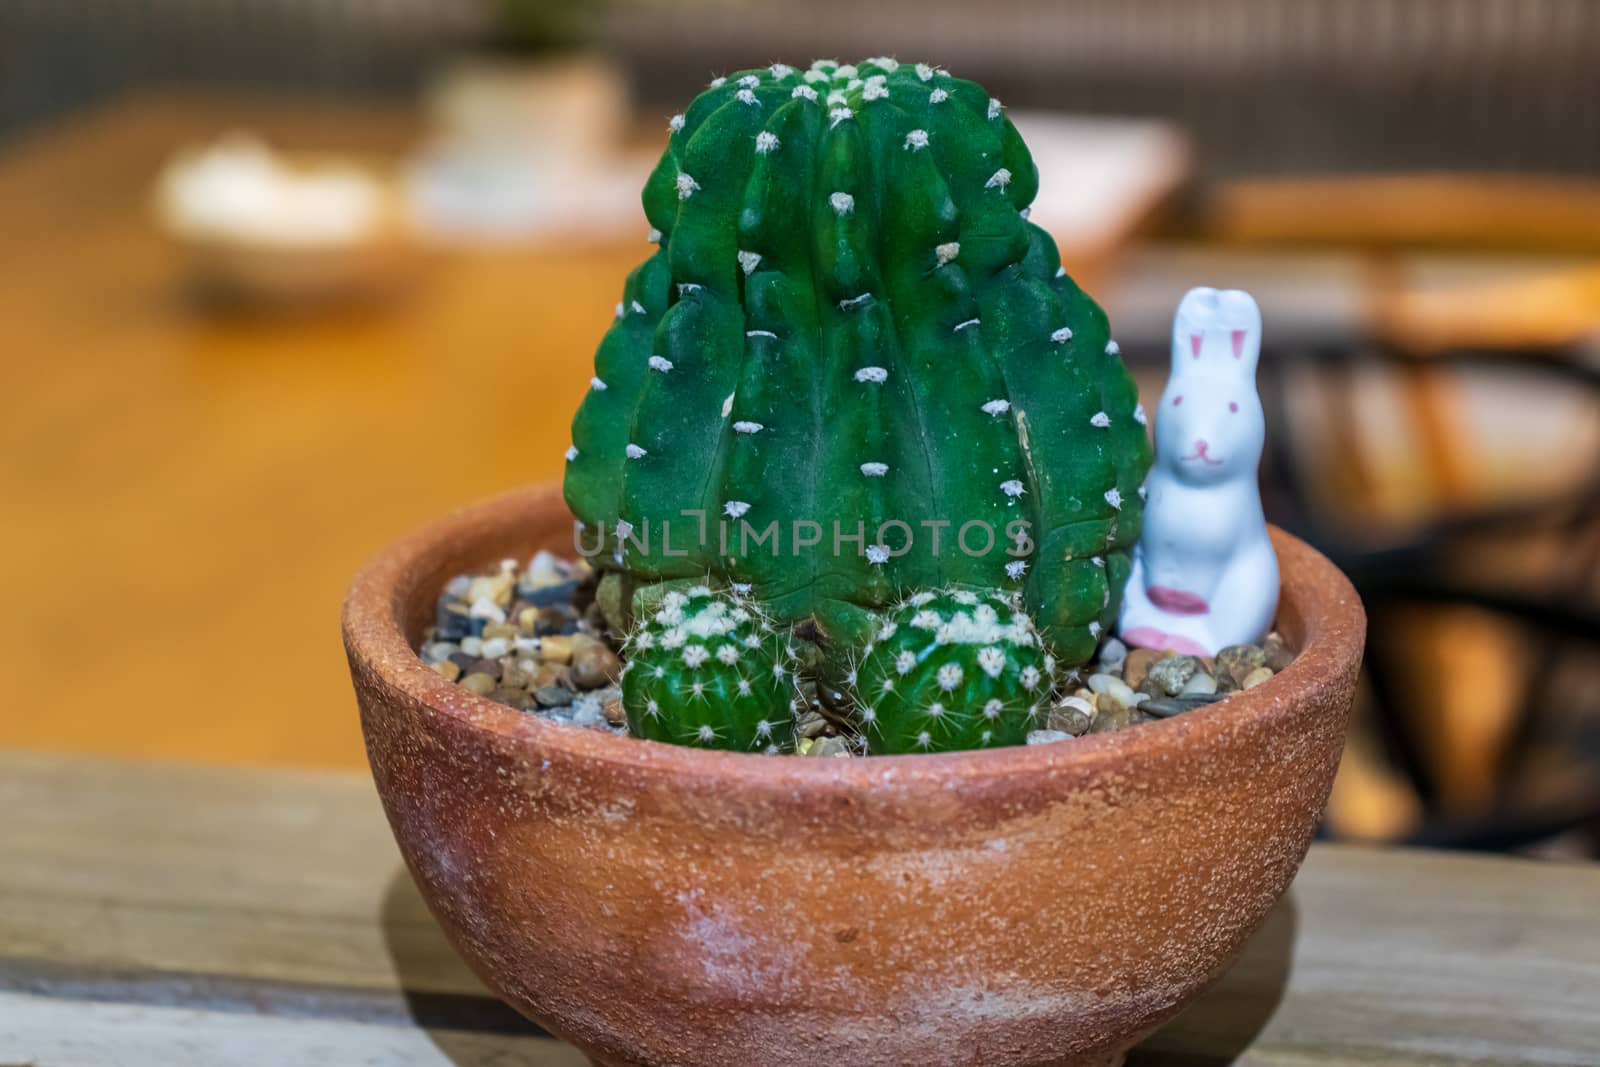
{"points": [[1459, 211], [152, 914], [1552, 310]]}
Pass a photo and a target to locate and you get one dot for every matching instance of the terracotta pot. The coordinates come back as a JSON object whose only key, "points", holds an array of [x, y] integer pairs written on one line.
{"points": [[653, 904]]}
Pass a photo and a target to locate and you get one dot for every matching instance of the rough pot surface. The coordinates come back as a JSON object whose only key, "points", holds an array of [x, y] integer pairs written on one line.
{"points": [[654, 904]]}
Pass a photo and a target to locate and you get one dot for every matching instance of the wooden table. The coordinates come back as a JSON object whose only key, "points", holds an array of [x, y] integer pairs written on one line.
{"points": [[155, 915], [184, 494]]}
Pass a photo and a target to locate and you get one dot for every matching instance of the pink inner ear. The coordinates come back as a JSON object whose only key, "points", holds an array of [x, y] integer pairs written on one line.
{"points": [[1238, 344], [1194, 344]]}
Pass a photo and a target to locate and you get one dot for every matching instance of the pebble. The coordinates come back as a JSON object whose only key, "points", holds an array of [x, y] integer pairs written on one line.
{"points": [[1112, 717], [545, 571], [1138, 664], [615, 713], [495, 590], [837, 747], [811, 723], [1256, 677], [587, 711], [556, 620], [486, 608], [542, 595], [1109, 685], [449, 671], [1166, 707], [593, 662], [1113, 656], [514, 698], [545, 565], [439, 651], [479, 683], [1278, 655], [549, 674], [1046, 737], [612, 596], [553, 696], [516, 676], [1235, 663], [452, 621], [1201, 684], [1072, 715], [556, 649], [472, 646], [496, 647], [1168, 675]]}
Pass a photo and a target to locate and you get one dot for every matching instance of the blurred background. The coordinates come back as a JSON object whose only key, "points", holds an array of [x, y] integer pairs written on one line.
{"points": [[281, 279]]}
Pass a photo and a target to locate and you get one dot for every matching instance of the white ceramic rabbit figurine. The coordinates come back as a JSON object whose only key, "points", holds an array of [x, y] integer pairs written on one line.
{"points": [[1204, 574]]}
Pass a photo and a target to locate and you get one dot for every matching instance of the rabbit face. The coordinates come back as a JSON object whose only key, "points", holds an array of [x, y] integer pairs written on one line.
{"points": [[1210, 425]]}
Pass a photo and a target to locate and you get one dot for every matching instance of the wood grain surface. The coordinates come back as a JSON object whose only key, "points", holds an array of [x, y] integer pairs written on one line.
{"points": [[156, 914]]}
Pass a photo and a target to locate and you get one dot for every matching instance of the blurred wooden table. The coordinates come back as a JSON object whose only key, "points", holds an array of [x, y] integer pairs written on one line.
{"points": [[152, 915], [185, 494]]}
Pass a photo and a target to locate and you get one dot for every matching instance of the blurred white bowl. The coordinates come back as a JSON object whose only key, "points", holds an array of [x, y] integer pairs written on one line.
{"points": [[254, 223]]}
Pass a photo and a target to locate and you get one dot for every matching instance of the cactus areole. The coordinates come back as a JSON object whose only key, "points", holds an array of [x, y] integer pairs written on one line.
{"points": [[854, 370]]}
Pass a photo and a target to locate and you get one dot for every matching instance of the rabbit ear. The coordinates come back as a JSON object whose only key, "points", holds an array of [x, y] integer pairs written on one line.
{"points": [[1240, 319], [1189, 324], [1216, 332]]}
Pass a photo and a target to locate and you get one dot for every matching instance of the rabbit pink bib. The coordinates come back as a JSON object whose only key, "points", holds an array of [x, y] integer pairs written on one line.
{"points": [[1204, 574]]}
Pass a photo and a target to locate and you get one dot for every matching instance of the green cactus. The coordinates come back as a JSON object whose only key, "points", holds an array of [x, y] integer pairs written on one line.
{"points": [[851, 332], [952, 669], [707, 669]]}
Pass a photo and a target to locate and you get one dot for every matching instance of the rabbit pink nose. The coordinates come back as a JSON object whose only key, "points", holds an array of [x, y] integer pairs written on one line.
{"points": [[1200, 445]]}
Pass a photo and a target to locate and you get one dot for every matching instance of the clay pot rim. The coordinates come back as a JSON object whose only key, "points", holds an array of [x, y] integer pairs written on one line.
{"points": [[373, 624]]}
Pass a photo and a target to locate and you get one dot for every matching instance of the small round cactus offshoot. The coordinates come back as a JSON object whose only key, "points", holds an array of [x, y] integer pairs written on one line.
{"points": [[708, 669], [954, 669]]}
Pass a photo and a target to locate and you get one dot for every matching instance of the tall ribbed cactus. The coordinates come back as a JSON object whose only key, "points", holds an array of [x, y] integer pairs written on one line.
{"points": [[850, 321]]}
